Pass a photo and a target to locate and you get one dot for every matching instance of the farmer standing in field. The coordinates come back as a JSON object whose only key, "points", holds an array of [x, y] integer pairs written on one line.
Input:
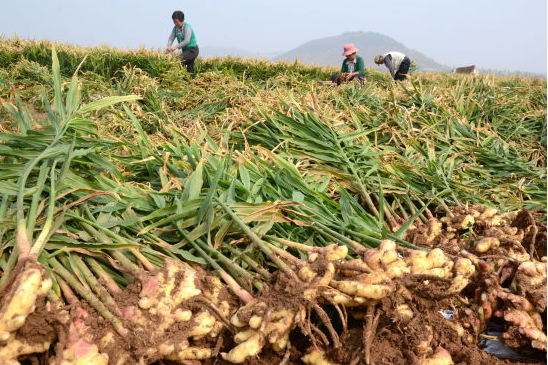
{"points": [[352, 66], [186, 39], [397, 63]]}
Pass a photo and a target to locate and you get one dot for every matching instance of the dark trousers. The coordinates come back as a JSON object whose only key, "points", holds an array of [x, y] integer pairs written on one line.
{"points": [[188, 57], [401, 74], [355, 77]]}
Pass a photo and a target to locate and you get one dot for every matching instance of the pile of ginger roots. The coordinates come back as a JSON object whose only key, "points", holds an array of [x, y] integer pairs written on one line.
{"points": [[183, 314]]}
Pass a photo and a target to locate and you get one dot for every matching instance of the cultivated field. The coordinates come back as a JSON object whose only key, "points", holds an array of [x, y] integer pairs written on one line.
{"points": [[254, 216]]}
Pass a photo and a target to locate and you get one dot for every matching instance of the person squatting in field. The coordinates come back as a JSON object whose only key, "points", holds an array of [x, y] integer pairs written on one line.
{"points": [[186, 39], [352, 67], [397, 63]]}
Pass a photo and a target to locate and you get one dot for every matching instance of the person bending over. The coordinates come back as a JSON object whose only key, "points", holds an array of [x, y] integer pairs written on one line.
{"points": [[186, 39], [397, 63]]}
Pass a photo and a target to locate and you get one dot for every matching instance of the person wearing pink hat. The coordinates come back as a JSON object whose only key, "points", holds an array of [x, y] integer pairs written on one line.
{"points": [[352, 65]]}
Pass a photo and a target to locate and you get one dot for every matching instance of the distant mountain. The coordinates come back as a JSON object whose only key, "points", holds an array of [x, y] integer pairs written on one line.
{"points": [[211, 51], [328, 51]]}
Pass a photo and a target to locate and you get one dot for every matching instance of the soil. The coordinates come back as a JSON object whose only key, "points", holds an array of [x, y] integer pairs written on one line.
{"points": [[536, 235], [391, 338], [392, 343], [40, 326]]}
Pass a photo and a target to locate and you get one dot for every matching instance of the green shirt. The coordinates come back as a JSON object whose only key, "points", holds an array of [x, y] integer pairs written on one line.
{"points": [[181, 38], [359, 66]]}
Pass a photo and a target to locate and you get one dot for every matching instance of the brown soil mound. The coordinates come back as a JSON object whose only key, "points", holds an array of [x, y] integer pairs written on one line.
{"points": [[398, 323], [535, 238]]}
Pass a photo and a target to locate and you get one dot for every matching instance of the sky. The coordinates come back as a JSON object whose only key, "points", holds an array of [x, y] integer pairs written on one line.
{"points": [[494, 34]]}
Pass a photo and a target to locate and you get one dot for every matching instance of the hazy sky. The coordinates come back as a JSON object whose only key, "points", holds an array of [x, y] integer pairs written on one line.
{"points": [[498, 34]]}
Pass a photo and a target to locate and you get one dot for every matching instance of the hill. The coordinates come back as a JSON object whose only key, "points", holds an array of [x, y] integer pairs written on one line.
{"points": [[327, 51], [209, 51]]}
